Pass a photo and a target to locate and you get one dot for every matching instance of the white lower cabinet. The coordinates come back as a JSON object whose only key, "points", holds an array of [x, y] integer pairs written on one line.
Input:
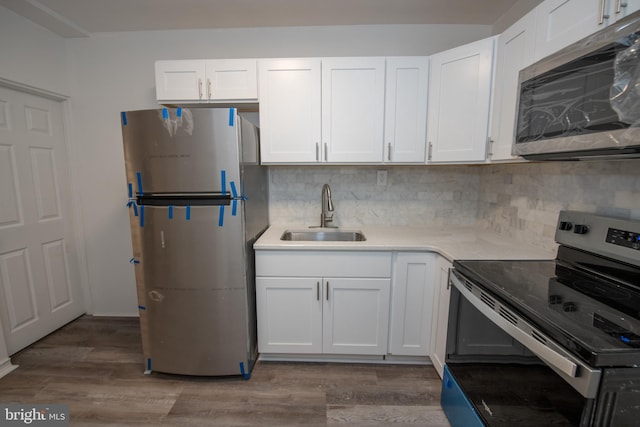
{"points": [[312, 302], [440, 315], [412, 304]]}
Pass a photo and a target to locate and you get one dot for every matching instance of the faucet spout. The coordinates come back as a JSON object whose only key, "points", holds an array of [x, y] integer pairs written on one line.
{"points": [[326, 215]]}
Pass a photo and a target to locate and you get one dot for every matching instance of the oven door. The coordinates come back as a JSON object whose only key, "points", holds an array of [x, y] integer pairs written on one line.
{"points": [[511, 372]]}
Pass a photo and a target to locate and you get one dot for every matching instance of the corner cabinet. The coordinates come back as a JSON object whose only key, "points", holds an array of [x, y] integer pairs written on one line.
{"points": [[311, 302], [203, 81], [412, 296], [459, 100], [513, 53]]}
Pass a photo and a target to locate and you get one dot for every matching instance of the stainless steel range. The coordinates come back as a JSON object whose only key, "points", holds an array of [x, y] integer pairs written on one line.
{"points": [[553, 342]]}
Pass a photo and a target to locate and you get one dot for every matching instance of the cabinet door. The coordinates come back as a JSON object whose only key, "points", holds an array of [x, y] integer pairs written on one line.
{"points": [[562, 22], [412, 304], [459, 97], [290, 110], [180, 80], [231, 79], [440, 315], [289, 312], [352, 109], [356, 316], [618, 9], [514, 52], [406, 110]]}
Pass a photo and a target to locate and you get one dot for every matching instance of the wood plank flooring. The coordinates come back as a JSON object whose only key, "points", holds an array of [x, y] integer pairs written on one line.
{"points": [[94, 365]]}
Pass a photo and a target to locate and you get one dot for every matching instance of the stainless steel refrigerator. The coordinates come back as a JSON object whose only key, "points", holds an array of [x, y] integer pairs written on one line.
{"points": [[197, 202]]}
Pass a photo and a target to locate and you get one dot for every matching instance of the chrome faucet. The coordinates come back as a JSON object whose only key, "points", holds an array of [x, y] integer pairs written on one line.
{"points": [[326, 215]]}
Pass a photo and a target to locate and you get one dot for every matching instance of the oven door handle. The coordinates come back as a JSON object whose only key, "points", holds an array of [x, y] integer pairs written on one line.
{"points": [[540, 349]]}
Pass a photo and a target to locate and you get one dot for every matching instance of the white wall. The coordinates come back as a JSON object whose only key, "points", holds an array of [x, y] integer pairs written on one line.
{"points": [[114, 72]]}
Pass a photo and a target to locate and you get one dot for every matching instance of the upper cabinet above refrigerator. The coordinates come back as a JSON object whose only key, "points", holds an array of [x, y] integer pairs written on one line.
{"points": [[206, 81]]}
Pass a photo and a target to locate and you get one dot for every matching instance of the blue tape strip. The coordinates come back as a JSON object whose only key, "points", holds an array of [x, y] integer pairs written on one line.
{"points": [[221, 216], [232, 116], [188, 213], [123, 115], [135, 207], [233, 189], [149, 364], [130, 186], [234, 207], [165, 114], [170, 211], [179, 112], [244, 374], [141, 307], [142, 216], [223, 182], [134, 261], [139, 178]]}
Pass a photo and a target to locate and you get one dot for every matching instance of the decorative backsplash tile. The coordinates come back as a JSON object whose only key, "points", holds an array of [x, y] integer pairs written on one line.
{"points": [[518, 200]]}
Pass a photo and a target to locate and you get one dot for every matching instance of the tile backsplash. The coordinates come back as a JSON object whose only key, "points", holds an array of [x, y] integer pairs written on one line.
{"points": [[519, 200]]}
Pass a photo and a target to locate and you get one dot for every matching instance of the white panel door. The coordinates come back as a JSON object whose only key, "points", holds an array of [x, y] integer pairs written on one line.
{"points": [[39, 281], [440, 315], [619, 9], [562, 22], [290, 110], [514, 52], [412, 304], [180, 80], [289, 314], [459, 100], [406, 110], [355, 316], [353, 109], [231, 79]]}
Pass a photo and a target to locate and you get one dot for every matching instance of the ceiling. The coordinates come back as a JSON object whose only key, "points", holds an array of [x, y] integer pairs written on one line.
{"points": [[81, 18]]}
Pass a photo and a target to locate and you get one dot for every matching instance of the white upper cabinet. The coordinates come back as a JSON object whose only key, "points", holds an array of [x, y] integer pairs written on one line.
{"points": [[290, 114], [562, 22], [406, 110], [514, 52], [459, 100], [206, 80], [352, 109]]}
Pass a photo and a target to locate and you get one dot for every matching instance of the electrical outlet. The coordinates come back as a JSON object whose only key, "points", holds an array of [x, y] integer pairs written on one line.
{"points": [[381, 179]]}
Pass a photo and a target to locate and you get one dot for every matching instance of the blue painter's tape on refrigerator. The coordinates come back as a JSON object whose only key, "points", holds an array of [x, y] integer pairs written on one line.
{"points": [[130, 187], [223, 182], [179, 112], [141, 215], [170, 208], [245, 375], [123, 115], [233, 189], [135, 207], [234, 207], [188, 213], [139, 178], [141, 307], [232, 116], [165, 114], [134, 261], [221, 216]]}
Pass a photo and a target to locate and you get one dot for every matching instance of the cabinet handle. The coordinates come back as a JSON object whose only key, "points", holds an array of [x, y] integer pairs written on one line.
{"points": [[318, 291], [429, 152], [449, 278], [327, 291], [389, 153], [620, 5], [200, 88], [602, 15], [317, 152], [209, 88], [489, 146], [326, 151]]}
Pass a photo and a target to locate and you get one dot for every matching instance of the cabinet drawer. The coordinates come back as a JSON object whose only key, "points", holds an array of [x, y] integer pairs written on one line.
{"points": [[323, 264]]}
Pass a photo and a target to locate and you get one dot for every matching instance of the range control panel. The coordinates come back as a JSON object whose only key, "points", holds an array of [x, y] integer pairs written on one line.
{"points": [[614, 238], [628, 239]]}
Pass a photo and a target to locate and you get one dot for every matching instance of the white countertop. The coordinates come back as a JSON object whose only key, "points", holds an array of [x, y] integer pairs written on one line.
{"points": [[454, 243]]}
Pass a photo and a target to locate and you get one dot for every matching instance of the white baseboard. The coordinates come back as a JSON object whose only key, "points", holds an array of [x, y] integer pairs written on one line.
{"points": [[6, 367]]}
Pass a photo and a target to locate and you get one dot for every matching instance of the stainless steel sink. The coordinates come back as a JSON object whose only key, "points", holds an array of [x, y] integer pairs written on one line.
{"points": [[323, 236]]}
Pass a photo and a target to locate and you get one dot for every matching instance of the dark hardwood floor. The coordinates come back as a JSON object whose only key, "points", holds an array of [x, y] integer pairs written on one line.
{"points": [[94, 365]]}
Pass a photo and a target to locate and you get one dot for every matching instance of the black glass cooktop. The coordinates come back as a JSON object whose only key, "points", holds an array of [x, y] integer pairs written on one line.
{"points": [[591, 309]]}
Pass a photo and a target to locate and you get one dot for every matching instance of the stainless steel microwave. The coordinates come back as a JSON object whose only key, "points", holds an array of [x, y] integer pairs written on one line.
{"points": [[583, 101]]}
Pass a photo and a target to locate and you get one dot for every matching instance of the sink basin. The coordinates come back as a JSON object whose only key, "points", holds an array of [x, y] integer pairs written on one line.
{"points": [[323, 236]]}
